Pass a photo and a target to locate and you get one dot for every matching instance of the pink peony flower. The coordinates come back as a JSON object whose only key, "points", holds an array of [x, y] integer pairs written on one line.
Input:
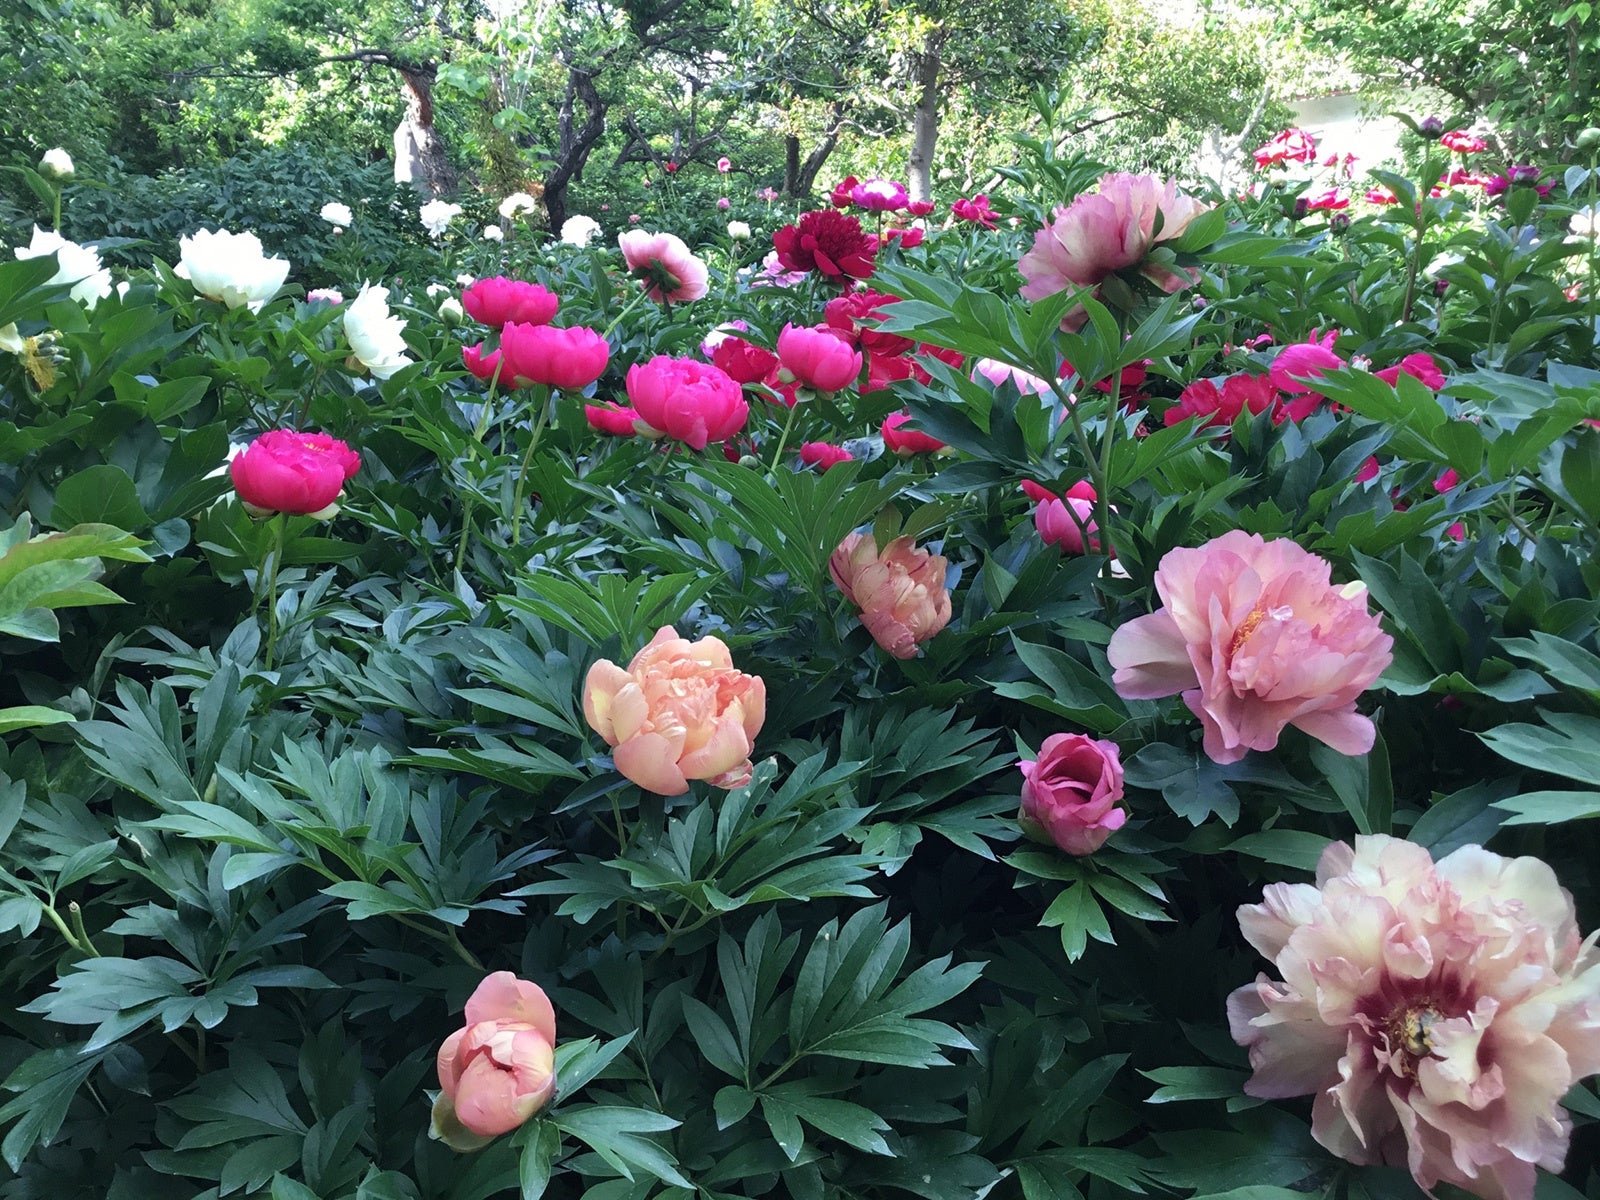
{"points": [[1462, 142], [1332, 199], [840, 196], [1419, 366], [920, 208], [976, 210], [899, 590], [287, 471], [1071, 791], [1380, 194], [724, 166], [560, 358], [1301, 361], [1438, 1011], [495, 301], [879, 195], [611, 418], [1255, 636], [1107, 231], [1062, 521], [690, 402], [998, 373], [500, 1069], [482, 365], [668, 269], [820, 358], [906, 442], [855, 314], [724, 202], [1222, 403], [1368, 470], [1290, 146], [743, 361], [680, 711], [823, 455]]}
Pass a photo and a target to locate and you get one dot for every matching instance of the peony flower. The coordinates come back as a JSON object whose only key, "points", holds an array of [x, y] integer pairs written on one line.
{"points": [[500, 1069], [724, 166], [899, 590], [908, 239], [739, 230], [451, 312], [375, 334], [668, 269], [724, 203], [493, 233], [823, 455], [855, 314], [561, 358], [497, 300], [579, 230], [56, 165], [998, 373], [976, 210], [231, 268], [1062, 521], [1111, 230], [517, 203], [481, 365], [1296, 363], [841, 196], [1071, 791], [1462, 142], [1381, 194], [827, 242], [906, 442], [1255, 636], [1332, 199], [1290, 146], [78, 265], [879, 195], [1585, 223], [612, 418], [1438, 1011], [1419, 366], [1221, 404], [324, 296], [680, 711], [818, 358], [743, 361], [436, 216], [338, 215], [291, 472], [690, 402]]}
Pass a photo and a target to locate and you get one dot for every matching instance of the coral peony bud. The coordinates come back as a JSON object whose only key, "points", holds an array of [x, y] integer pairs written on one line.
{"points": [[499, 1070], [899, 590]]}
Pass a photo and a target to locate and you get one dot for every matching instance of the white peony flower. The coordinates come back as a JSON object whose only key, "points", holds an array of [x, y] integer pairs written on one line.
{"points": [[1584, 222], [338, 214], [466, 280], [374, 333], [579, 230], [231, 268], [436, 216], [517, 203], [435, 290], [57, 165], [493, 233], [10, 340], [77, 265], [451, 312], [738, 230]]}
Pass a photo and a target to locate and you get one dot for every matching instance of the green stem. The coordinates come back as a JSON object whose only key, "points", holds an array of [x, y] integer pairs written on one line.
{"points": [[57, 215], [276, 556], [783, 438], [472, 456], [542, 402], [83, 945], [626, 309], [447, 936]]}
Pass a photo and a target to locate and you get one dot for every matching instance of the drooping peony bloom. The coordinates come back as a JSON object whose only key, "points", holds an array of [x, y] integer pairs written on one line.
{"points": [[999, 373], [1255, 636], [1289, 146], [819, 358], [899, 590], [743, 361], [375, 334], [1462, 142], [1438, 1011], [680, 711], [829, 243], [78, 265], [906, 442], [612, 418], [1071, 791], [688, 401], [496, 300], [879, 195], [338, 215], [855, 314], [480, 364], [286, 471], [666, 267], [231, 268], [976, 210], [823, 455], [1419, 366], [1222, 404], [1107, 231], [1299, 362], [500, 1069], [920, 208], [1063, 520], [561, 358], [436, 216]]}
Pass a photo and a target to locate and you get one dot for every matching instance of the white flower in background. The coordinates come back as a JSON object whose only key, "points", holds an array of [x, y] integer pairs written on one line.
{"points": [[57, 165], [75, 264], [516, 204], [1585, 222], [337, 214], [493, 233], [10, 340], [451, 312], [231, 268], [374, 333], [579, 230], [436, 216], [466, 280], [435, 290], [234, 450], [738, 230]]}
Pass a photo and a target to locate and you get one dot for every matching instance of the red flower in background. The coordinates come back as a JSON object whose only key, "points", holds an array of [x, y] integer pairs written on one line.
{"points": [[827, 242], [1222, 404], [840, 196], [906, 442], [1290, 146], [1462, 142], [823, 455], [850, 314], [743, 361]]}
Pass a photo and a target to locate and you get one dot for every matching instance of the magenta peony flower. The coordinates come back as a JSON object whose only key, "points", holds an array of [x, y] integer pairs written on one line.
{"points": [[855, 315], [668, 269], [690, 402], [1462, 142], [904, 442], [1063, 520], [829, 243], [1256, 636], [879, 195], [976, 210], [1222, 403], [1438, 1012], [1290, 146], [481, 362], [823, 455], [1301, 361], [562, 358], [820, 358], [611, 418], [495, 301], [1071, 791], [1419, 366], [287, 471]]}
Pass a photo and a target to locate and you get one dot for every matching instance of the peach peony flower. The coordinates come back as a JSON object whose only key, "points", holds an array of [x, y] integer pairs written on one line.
{"points": [[500, 1069], [680, 711], [668, 269], [1256, 637], [1437, 1011], [899, 590]]}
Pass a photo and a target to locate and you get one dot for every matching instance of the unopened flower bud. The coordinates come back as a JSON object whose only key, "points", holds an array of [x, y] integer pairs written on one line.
{"points": [[1588, 139], [451, 312], [1430, 127], [56, 165], [1339, 222]]}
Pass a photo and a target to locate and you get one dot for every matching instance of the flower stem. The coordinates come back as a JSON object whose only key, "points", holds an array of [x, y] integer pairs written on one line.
{"points": [[472, 456], [783, 439], [542, 403], [275, 556]]}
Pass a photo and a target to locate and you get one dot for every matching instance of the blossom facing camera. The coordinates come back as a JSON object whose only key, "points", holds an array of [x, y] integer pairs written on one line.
{"points": [[496, 300], [517, 203], [679, 711], [1255, 636], [436, 216], [499, 1070], [231, 268], [690, 402], [830, 243], [879, 195], [899, 590], [375, 333], [819, 358], [57, 166], [1071, 792], [337, 215], [743, 361], [904, 442], [579, 230], [560, 358], [665, 266], [1438, 1011], [286, 471]]}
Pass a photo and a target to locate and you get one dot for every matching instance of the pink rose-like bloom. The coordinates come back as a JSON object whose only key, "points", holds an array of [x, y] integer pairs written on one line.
{"points": [[976, 210], [879, 195], [560, 358], [285, 471], [680, 711], [1462, 142], [899, 590], [1419, 366], [818, 358], [1222, 404], [998, 373], [743, 361], [1071, 792], [724, 166], [906, 442], [612, 419], [1304, 360], [480, 364], [500, 1069], [855, 315], [1438, 1011], [1062, 521], [668, 269], [823, 455], [1107, 231], [495, 301], [690, 402], [1255, 636], [1332, 199]]}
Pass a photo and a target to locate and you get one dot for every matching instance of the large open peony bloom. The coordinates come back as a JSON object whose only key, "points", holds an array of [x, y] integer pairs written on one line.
{"points": [[231, 268], [496, 300], [1437, 1011], [499, 1069], [666, 267], [680, 711], [688, 401], [1111, 230], [1256, 636], [375, 334], [285, 470], [899, 590], [829, 243]]}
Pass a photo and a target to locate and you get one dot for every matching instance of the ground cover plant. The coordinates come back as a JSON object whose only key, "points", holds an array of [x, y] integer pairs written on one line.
{"points": [[1088, 691]]}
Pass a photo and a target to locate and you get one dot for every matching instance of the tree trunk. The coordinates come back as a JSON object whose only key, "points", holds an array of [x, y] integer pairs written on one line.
{"points": [[791, 164], [419, 153], [574, 141], [925, 124]]}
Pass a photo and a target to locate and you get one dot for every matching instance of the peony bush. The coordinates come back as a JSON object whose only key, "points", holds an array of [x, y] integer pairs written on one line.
{"points": [[1037, 610]]}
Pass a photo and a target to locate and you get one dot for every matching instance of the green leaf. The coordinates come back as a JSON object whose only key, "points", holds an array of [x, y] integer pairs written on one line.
{"points": [[1079, 917], [31, 716], [1550, 808], [47, 1082], [1195, 1083], [613, 1132], [1286, 847], [1569, 744], [541, 1145], [101, 494]]}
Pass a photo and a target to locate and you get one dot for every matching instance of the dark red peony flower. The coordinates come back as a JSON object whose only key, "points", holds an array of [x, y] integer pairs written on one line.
{"points": [[828, 242]]}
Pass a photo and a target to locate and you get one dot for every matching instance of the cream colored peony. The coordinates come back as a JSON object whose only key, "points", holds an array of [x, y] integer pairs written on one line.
{"points": [[78, 265], [374, 333], [231, 268]]}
